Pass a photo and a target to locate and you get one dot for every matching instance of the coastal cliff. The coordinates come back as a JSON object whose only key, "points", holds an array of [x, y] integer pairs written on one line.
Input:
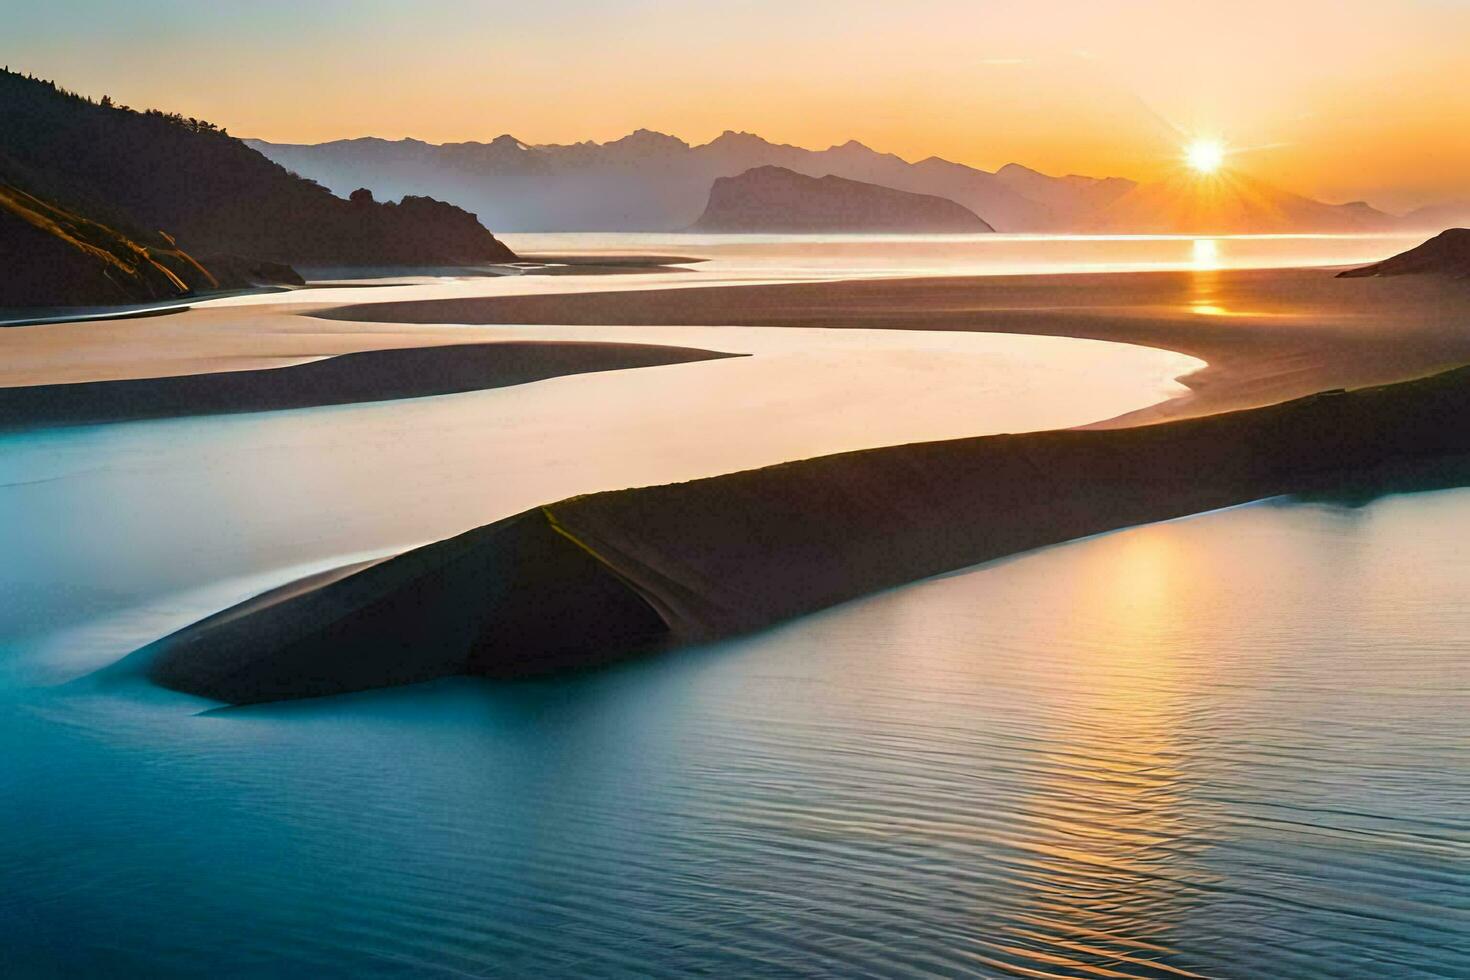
{"points": [[592, 579], [774, 199]]}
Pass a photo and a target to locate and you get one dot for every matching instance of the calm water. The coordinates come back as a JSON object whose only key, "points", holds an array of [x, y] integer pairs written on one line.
{"points": [[1227, 746]]}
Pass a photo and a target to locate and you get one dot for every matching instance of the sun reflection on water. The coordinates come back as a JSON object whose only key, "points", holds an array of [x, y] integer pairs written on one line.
{"points": [[1205, 267], [1121, 831]]}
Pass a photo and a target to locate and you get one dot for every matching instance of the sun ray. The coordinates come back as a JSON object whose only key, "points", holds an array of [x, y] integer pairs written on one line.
{"points": [[1205, 155]]}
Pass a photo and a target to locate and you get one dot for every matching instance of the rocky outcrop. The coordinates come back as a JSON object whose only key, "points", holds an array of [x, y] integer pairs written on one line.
{"points": [[239, 272], [1446, 254], [591, 579], [774, 199]]}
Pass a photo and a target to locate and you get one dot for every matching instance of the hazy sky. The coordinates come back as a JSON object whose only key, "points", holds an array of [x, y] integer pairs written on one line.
{"points": [[1338, 98]]}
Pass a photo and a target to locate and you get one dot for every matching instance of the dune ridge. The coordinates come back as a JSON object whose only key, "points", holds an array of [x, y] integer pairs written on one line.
{"points": [[1446, 254], [592, 579]]}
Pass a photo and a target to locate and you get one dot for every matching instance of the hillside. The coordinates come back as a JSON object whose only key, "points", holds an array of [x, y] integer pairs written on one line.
{"points": [[54, 257], [208, 190], [774, 199]]}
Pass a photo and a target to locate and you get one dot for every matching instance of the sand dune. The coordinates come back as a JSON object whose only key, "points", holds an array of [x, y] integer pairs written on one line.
{"points": [[1446, 254], [594, 578]]}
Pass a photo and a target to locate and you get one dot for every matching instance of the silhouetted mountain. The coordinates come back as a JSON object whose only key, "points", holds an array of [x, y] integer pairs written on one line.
{"points": [[650, 181], [1071, 195], [210, 191], [653, 182], [1229, 203], [774, 199], [1446, 254], [1434, 217]]}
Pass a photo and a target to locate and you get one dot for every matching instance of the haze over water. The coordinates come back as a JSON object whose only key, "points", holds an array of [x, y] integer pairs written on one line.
{"points": [[805, 256]]}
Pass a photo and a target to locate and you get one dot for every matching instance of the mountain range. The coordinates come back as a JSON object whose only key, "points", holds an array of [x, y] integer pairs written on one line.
{"points": [[649, 181]]}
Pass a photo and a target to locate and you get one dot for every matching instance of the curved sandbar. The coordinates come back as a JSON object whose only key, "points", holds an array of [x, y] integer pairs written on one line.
{"points": [[594, 578], [1267, 335], [364, 376]]}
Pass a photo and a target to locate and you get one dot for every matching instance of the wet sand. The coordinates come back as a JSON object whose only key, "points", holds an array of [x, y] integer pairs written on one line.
{"points": [[365, 376], [1267, 335]]}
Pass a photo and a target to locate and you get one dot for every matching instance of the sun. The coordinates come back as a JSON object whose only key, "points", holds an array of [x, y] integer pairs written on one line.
{"points": [[1205, 156]]}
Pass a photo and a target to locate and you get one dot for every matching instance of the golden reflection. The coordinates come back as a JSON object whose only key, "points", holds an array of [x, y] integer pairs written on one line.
{"points": [[1205, 282], [1117, 832], [1206, 254]]}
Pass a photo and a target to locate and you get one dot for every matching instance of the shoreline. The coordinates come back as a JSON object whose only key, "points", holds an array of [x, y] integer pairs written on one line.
{"points": [[1265, 335]]}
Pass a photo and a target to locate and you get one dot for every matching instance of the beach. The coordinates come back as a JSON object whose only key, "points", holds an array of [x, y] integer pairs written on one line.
{"points": [[1265, 335]]}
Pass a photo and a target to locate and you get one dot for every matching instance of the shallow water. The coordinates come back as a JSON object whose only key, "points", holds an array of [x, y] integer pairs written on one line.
{"points": [[1231, 746]]}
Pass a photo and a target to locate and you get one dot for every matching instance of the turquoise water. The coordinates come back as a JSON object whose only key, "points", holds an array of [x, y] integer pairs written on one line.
{"points": [[1232, 745]]}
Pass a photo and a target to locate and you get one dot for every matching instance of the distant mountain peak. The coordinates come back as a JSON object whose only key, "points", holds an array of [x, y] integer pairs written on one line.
{"points": [[1018, 169], [740, 136], [373, 141], [649, 139]]}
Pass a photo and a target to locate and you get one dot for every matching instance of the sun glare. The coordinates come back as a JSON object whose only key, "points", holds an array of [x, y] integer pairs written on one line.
{"points": [[1205, 156]]}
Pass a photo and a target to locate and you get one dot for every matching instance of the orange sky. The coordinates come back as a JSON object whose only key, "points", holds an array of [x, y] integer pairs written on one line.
{"points": [[1344, 99]]}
